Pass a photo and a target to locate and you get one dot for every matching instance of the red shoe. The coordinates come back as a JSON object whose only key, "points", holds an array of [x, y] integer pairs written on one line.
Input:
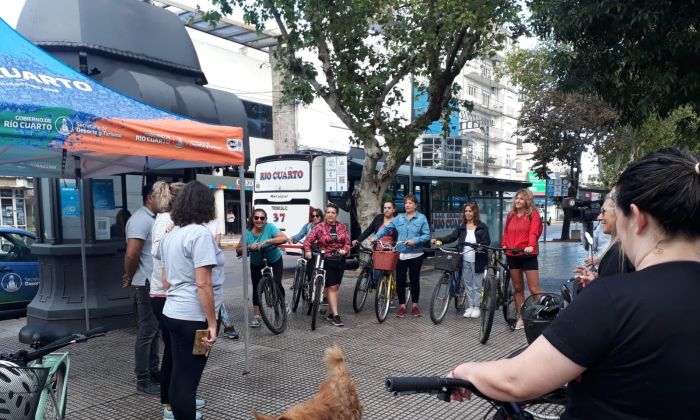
{"points": [[415, 311], [401, 312]]}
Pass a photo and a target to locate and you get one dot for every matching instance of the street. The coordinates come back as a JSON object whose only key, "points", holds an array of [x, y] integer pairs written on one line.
{"points": [[288, 368]]}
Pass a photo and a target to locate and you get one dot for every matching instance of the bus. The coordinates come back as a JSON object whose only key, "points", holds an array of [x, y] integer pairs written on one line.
{"points": [[287, 185]]}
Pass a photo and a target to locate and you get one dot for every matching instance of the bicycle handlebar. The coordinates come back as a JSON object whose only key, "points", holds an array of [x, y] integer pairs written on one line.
{"points": [[23, 357], [443, 387], [495, 248]]}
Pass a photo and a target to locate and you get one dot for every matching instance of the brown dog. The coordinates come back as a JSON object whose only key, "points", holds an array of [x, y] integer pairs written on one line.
{"points": [[336, 399]]}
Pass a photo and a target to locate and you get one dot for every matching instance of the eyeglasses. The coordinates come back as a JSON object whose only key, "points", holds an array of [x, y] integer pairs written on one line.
{"points": [[259, 217], [317, 215], [604, 211]]}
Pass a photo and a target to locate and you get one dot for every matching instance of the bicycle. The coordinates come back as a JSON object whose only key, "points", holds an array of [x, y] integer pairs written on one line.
{"points": [[386, 260], [35, 384], [449, 286], [273, 307], [316, 285], [549, 406], [365, 280], [496, 291]]}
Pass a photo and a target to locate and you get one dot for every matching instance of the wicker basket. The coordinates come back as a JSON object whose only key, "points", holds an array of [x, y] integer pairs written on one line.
{"points": [[365, 258], [385, 260], [446, 261]]}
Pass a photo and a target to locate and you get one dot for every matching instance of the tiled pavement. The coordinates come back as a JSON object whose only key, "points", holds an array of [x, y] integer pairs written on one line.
{"points": [[288, 368]]}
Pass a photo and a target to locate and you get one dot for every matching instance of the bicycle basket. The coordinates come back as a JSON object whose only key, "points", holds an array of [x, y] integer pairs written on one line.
{"points": [[365, 258], [538, 311], [385, 260], [446, 261], [20, 390]]}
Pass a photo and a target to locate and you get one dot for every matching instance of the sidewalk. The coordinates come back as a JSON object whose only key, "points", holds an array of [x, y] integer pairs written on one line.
{"points": [[288, 368]]}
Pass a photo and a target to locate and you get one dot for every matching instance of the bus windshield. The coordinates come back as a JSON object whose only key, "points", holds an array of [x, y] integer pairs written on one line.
{"points": [[283, 175]]}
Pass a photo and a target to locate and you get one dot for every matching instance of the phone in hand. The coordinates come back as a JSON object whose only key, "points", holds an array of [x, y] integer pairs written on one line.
{"points": [[198, 348]]}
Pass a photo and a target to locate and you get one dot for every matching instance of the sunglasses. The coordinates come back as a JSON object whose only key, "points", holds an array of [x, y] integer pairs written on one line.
{"points": [[317, 215], [604, 211], [259, 217]]}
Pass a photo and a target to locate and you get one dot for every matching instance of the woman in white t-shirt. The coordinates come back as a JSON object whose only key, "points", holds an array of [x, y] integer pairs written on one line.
{"points": [[194, 268], [164, 195]]}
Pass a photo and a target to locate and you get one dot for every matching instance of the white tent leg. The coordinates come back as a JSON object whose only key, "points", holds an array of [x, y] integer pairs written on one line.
{"points": [[246, 269]]}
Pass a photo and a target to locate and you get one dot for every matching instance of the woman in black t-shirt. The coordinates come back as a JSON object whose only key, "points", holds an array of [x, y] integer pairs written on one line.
{"points": [[629, 346]]}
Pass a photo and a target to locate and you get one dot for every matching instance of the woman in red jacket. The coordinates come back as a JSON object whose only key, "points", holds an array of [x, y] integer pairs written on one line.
{"points": [[522, 231], [332, 237]]}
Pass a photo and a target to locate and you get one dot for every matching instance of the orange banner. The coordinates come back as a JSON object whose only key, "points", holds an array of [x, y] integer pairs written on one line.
{"points": [[165, 138]]}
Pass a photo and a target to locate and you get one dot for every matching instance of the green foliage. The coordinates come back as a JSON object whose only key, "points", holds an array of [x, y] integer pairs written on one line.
{"points": [[563, 125], [363, 49], [534, 70], [640, 56], [680, 129]]}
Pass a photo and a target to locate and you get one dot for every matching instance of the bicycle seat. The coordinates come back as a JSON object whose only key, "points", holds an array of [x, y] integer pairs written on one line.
{"points": [[38, 336]]}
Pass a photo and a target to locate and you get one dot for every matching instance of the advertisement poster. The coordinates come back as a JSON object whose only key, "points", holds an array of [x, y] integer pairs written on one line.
{"points": [[103, 194], [70, 206], [446, 220]]}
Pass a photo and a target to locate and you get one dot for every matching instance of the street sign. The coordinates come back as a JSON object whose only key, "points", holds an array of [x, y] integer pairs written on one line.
{"points": [[336, 173], [561, 187], [538, 185]]}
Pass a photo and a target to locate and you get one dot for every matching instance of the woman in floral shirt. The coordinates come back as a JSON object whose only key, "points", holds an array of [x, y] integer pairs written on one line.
{"points": [[333, 238]]}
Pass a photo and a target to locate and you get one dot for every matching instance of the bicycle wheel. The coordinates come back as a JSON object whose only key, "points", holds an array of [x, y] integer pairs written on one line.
{"points": [[441, 299], [298, 286], [319, 280], [487, 305], [362, 286], [383, 297], [272, 306], [510, 311]]}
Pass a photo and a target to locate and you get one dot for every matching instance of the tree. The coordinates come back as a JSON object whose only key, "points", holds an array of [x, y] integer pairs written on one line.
{"points": [[563, 125], [640, 56], [679, 130], [364, 49]]}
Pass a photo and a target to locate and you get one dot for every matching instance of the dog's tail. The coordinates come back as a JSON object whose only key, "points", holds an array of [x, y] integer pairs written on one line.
{"points": [[335, 359]]}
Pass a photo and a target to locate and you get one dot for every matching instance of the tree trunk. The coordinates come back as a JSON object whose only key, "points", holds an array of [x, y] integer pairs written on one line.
{"points": [[566, 225]]}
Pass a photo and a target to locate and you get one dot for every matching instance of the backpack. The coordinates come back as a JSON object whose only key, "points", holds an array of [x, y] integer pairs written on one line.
{"points": [[539, 232]]}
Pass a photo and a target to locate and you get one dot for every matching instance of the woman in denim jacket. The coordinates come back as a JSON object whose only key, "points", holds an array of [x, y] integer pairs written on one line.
{"points": [[413, 231]]}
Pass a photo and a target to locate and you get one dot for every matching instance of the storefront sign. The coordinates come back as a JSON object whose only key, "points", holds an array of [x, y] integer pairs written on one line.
{"points": [[447, 220]]}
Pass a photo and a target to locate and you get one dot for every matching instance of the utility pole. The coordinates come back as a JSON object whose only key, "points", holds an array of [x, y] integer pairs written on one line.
{"points": [[410, 168]]}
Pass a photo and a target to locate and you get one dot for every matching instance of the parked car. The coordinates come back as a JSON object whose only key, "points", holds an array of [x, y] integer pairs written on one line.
{"points": [[19, 272]]}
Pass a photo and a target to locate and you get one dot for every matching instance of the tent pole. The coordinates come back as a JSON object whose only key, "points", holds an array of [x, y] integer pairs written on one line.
{"points": [[246, 269], [83, 258]]}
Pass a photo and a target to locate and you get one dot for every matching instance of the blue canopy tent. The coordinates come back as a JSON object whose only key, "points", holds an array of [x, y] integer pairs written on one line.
{"points": [[56, 122]]}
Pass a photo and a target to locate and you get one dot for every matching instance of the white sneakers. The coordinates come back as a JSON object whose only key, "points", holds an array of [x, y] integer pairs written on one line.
{"points": [[256, 321], [472, 312], [520, 324]]}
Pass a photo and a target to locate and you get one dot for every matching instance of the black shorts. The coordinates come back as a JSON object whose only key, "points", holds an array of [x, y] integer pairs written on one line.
{"points": [[524, 262]]}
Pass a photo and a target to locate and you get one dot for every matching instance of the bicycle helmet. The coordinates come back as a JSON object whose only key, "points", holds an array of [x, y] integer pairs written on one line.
{"points": [[538, 311], [20, 390]]}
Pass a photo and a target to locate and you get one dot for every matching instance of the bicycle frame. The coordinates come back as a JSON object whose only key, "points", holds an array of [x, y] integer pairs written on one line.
{"points": [[53, 361]]}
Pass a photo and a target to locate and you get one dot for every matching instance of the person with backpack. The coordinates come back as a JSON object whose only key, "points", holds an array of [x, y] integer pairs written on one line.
{"points": [[522, 231]]}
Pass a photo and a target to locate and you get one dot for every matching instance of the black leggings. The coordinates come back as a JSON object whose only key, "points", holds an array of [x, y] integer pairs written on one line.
{"points": [[256, 275], [413, 267], [166, 366], [187, 368]]}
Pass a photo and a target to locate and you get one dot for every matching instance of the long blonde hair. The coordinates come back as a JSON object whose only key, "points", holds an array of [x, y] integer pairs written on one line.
{"points": [[527, 196]]}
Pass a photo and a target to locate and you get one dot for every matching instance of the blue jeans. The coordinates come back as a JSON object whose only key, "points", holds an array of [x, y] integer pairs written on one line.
{"points": [[472, 283], [146, 349], [223, 316]]}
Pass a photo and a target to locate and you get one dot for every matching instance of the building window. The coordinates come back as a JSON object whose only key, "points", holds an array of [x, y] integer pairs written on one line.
{"points": [[485, 72], [471, 90], [259, 119], [520, 144], [485, 98], [12, 208]]}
